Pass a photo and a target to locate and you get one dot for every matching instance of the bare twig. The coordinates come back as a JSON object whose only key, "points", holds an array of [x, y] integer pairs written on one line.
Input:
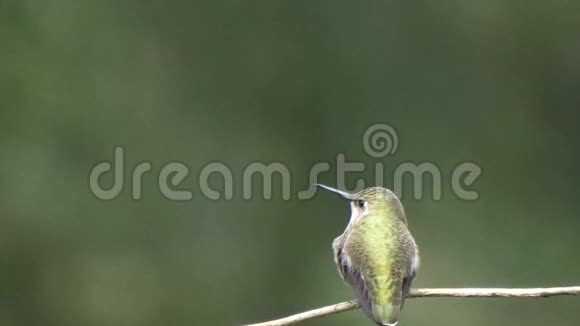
{"points": [[424, 293]]}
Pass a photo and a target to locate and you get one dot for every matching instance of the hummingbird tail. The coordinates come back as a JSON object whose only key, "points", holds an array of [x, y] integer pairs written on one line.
{"points": [[386, 314]]}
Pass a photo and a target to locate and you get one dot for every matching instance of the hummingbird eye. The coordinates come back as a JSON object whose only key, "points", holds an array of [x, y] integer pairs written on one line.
{"points": [[360, 203]]}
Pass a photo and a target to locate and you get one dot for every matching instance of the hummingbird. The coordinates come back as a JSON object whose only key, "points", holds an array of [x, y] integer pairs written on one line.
{"points": [[376, 254]]}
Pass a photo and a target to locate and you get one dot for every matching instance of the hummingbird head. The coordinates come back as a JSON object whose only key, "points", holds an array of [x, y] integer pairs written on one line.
{"points": [[370, 201]]}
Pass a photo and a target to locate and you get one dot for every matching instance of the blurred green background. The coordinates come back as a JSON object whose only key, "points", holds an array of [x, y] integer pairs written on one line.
{"points": [[492, 82]]}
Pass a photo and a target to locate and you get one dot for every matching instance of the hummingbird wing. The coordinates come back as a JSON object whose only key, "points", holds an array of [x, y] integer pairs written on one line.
{"points": [[351, 275], [337, 245], [410, 275]]}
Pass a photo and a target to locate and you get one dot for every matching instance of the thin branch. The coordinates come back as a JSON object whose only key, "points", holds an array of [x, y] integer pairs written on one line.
{"points": [[426, 293]]}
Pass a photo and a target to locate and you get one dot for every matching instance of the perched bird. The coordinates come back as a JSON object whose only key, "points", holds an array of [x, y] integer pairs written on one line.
{"points": [[377, 255]]}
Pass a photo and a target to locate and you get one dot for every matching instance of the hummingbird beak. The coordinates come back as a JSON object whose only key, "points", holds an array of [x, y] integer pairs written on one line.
{"points": [[343, 194]]}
